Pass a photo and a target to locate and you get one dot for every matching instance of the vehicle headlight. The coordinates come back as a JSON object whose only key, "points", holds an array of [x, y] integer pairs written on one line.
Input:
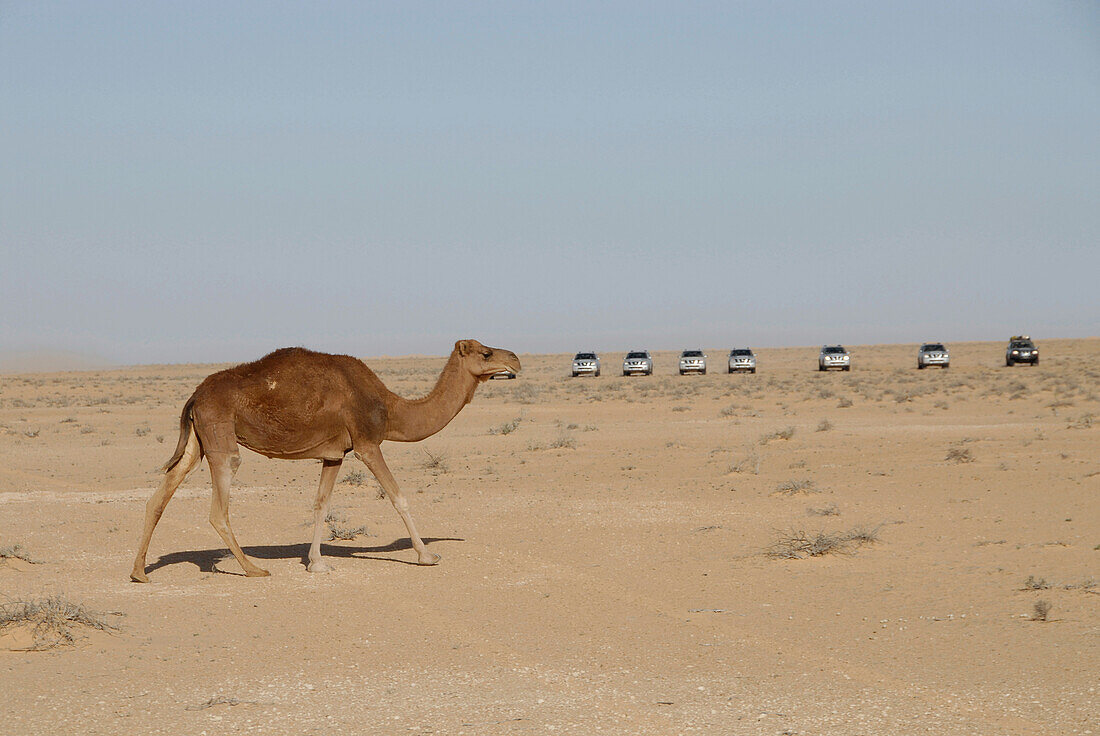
{"points": [[1015, 352]]}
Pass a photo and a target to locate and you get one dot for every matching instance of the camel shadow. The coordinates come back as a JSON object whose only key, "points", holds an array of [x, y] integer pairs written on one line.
{"points": [[206, 559]]}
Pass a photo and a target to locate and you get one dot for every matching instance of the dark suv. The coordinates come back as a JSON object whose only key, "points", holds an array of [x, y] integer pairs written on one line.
{"points": [[1021, 350]]}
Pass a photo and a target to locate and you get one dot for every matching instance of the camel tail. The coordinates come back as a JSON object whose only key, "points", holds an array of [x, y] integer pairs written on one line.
{"points": [[186, 430]]}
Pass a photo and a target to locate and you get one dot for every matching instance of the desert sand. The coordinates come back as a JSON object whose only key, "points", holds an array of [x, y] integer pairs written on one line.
{"points": [[612, 556]]}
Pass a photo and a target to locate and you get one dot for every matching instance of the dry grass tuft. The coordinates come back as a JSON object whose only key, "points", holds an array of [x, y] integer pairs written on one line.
{"points": [[17, 552], [750, 464], [797, 544], [829, 510], [53, 621], [1034, 583], [780, 434], [436, 463], [338, 528], [959, 455], [1041, 610], [793, 487], [507, 427], [824, 426], [354, 478]]}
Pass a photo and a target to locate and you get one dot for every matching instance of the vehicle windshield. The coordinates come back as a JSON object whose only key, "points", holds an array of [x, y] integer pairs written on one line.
{"points": [[933, 346], [692, 354], [634, 356], [1022, 343], [832, 350], [740, 352], [585, 356]]}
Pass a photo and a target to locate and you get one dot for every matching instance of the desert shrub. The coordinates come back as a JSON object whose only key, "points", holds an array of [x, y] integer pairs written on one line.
{"points": [[354, 478], [337, 530], [1083, 422], [17, 552], [436, 463], [749, 464], [824, 426], [563, 441], [1041, 610], [798, 544], [1034, 583], [506, 427], [844, 402], [53, 621], [829, 510], [780, 434], [792, 487], [959, 455]]}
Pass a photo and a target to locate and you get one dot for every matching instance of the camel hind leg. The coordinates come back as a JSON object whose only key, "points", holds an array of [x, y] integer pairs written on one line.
{"points": [[192, 455], [223, 466]]}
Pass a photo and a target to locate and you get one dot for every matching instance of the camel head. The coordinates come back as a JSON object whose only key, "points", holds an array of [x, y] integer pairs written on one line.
{"points": [[484, 362]]}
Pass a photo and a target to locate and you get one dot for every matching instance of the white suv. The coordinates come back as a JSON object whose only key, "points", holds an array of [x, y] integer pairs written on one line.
{"points": [[742, 359], [638, 361], [834, 356], [693, 361], [933, 353], [586, 364]]}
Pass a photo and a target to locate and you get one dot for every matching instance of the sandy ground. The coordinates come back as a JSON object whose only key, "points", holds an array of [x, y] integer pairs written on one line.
{"points": [[606, 562]]}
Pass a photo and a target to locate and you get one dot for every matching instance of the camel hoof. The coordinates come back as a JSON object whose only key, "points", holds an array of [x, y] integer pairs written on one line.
{"points": [[319, 566], [139, 577], [257, 573], [429, 559]]}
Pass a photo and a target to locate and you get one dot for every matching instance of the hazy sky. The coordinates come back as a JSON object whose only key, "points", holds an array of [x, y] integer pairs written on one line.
{"points": [[209, 181]]}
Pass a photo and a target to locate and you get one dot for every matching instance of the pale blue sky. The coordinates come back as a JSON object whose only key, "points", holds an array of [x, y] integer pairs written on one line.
{"points": [[209, 181]]}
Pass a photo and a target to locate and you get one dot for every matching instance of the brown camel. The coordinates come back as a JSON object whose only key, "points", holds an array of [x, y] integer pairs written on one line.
{"points": [[295, 404]]}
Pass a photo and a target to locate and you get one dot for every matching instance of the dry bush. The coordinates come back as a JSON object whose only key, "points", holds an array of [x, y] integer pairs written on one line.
{"points": [[750, 464], [17, 552], [53, 621], [1034, 583], [798, 544], [563, 441], [824, 426], [959, 455], [436, 463], [338, 528], [1041, 610], [354, 478], [780, 434], [506, 427], [829, 510], [793, 487], [1083, 422]]}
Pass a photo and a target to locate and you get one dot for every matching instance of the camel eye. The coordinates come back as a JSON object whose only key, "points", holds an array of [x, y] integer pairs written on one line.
{"points": [[487, 354]]}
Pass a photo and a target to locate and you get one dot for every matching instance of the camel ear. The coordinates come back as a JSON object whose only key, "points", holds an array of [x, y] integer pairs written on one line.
{"points": [[462, 347]]}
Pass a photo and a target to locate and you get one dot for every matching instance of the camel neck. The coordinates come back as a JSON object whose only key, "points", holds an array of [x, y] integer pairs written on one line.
{"points": [[411, 420]]}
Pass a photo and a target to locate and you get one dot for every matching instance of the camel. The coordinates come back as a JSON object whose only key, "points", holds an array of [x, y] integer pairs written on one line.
{"points": [[298, 404]]}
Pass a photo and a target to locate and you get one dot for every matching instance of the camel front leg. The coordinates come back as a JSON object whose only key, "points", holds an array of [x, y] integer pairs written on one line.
{"points": [[329, 470], [372, 457]]}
